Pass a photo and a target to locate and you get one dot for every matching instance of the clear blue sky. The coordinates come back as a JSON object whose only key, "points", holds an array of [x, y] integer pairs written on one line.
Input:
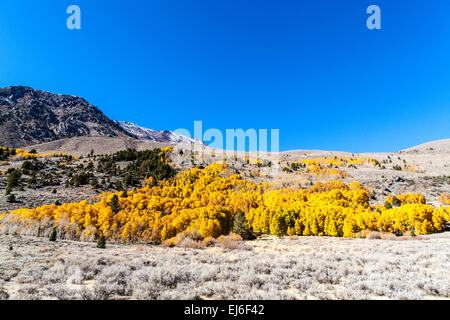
{"points": [[309, 68]]}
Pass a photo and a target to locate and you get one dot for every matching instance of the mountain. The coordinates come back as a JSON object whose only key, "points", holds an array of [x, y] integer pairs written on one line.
{"points": [[145, 134], [29, 116]]}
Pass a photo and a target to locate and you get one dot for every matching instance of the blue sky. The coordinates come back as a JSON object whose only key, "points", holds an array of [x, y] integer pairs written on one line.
{"points": [[309, 68]]}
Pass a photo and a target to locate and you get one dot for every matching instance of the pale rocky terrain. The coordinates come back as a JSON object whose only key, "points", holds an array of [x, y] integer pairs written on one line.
{"points": [[268, 268], [79, 146]]}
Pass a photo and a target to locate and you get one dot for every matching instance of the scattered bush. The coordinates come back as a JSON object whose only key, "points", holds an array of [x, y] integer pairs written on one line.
{"points": [[190, 234], [233, 242], [374, 235], [188, 243], [210, 242]]}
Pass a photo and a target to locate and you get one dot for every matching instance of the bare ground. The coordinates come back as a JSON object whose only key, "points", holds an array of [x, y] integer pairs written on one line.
{"points": [[275, 268]]}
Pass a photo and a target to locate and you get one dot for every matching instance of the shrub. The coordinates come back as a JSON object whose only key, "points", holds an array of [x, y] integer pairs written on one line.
{"points": [[128, 180], [210, 241], [190, 234], [80, 179], [233, 242], [14, 178], [410, 233], [388, 236], [11, 198], [188, 243], [374, 235], [119, 185], [362, 234], [94, 183], [396, 202], [27, 165], [172, 242]]}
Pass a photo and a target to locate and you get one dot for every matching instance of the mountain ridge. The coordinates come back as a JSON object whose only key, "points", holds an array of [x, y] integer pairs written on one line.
{"points": [[30, 117]]}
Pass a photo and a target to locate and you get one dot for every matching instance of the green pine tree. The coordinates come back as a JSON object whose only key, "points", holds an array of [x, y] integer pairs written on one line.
{"points": [[115, 204], [240, 227], [101, 242], [53, 235]]}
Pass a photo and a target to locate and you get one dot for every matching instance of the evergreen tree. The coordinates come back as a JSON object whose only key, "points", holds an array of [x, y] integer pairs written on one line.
{"points": [[101, 242], [115, 204], [53, 235], [240, 227]]}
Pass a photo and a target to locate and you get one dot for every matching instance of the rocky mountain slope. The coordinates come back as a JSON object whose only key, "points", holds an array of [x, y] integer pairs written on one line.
{"points": [[29, 116]]}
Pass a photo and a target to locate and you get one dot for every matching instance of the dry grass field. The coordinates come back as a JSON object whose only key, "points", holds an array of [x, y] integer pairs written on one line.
{"points": [[268, 268]]}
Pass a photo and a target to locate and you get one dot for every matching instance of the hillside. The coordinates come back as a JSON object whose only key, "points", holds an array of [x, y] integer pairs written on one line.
{"points": [[437, 146], [29, 116], [79, 146]]}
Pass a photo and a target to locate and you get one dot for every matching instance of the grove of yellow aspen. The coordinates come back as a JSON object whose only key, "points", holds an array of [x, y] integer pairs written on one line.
{"points": [[207, 199]]}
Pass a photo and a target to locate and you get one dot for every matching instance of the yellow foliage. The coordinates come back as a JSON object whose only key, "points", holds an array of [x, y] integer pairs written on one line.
{"points": [[206, 200], [168, 149], [444, 199], [408, 198], [26, 155]]}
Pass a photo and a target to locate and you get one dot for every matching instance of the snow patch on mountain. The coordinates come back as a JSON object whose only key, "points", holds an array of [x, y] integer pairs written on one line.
{"points": [[155, 135]]}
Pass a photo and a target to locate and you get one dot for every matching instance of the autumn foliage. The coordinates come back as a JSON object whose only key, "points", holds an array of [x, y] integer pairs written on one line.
{"points": [[410, 198], [9, 152], [444, 199], [207, 201]]}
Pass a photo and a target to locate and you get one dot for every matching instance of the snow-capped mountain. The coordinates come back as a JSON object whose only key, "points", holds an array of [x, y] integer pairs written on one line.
{"points": [[156, 136]]}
